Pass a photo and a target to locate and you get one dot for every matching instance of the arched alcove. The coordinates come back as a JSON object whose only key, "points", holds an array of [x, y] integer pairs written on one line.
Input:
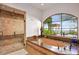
{"points": [[61, 24]]}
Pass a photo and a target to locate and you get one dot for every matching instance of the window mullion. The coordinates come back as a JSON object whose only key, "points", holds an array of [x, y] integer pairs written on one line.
{"points": [[61, 24]]}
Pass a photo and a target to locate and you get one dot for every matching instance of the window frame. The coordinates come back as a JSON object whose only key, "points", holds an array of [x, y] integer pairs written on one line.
{"points": [[62, 22]]}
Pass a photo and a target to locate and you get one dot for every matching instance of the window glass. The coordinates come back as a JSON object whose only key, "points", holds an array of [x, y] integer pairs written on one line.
{"points": [[61, 24]]}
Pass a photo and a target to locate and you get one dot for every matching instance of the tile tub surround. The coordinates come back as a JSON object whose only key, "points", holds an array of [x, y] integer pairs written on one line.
{"points": [[11, 20], [35, 49], [9, 41], [67, 51], [49, 45], [11, 29], [10, 48]]}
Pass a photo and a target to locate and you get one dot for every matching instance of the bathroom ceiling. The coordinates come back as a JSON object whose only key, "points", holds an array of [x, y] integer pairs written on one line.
{"points": [[47, 6], [43, 6]]}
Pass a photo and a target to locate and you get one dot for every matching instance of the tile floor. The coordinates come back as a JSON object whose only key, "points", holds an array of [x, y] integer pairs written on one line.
{"points": [[19, 52]]}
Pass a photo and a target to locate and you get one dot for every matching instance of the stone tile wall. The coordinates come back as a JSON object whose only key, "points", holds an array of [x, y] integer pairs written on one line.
{"points": [[11, 22]]}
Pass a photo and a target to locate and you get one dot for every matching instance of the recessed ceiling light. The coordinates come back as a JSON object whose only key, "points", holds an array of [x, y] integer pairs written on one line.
{"points": [[42, 4]]}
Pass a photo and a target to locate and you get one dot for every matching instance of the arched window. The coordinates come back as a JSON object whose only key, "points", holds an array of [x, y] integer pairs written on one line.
{"points": [[61, 24]]}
